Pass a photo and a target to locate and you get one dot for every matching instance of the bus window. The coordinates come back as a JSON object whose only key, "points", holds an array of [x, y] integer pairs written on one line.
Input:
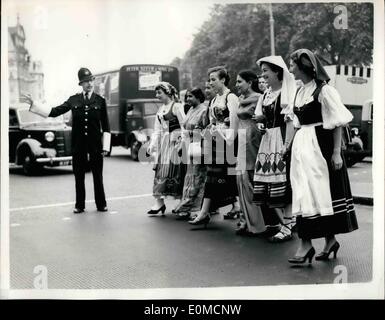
{"points": [[114, 88], [150, 108], [100, 86], [371, 112], [134, 111]]}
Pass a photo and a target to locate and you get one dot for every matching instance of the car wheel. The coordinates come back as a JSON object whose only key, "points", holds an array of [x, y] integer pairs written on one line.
{"points": [[350, 162], [30, 167], [135, 147]]}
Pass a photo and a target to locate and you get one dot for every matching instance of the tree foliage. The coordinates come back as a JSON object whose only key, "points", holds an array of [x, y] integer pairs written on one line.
{"points": [[236, 35]]}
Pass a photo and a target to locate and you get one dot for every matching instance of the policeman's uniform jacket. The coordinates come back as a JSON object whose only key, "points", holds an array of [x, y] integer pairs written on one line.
{"points": [[90, 126]]}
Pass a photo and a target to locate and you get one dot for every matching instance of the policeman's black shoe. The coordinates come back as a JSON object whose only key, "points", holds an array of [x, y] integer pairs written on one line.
{"points": [[77, 210], [103, 209]]}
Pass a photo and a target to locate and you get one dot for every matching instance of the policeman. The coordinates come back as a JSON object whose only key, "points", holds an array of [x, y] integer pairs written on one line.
{"points": [[90, 136]]}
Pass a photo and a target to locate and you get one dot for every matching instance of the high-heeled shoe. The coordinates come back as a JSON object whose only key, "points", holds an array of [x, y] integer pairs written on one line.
{"points": [[183, 216], [325, 255], [231, 215], [308, 256], [161, 209], [205, 220]]}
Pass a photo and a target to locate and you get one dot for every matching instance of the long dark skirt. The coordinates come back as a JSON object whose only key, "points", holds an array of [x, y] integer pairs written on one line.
{"points": [[344, 218], [220, 187]]}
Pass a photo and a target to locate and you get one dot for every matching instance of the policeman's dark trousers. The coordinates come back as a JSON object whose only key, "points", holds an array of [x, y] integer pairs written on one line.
{"points": [[80, 164]]}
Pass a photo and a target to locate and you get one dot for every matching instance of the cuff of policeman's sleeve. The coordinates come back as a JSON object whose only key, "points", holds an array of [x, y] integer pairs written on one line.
{"points": [[40, 109], [106, 141]]}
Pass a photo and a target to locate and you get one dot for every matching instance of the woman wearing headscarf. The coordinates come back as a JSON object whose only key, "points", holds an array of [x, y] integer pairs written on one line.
{"points": [[193, 188], [322, 200], [249, 138], [220, 186], [164, 142], [271, 183]]}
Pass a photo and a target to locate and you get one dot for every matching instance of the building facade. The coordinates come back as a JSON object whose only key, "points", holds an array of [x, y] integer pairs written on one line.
{"points": [[25, 76]]}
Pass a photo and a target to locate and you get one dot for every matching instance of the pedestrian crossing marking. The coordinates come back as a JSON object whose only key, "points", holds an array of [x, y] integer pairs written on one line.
{"points": [[63, 204]]}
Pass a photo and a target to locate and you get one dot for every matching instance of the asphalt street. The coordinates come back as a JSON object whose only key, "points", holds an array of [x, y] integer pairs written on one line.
{"points": [[126, 249]]}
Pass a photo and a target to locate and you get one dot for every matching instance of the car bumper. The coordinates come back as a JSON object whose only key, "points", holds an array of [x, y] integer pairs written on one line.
{"points": [[55, 160], [359, 153]]}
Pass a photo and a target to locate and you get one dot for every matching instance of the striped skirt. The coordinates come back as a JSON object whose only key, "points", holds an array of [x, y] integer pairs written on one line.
{"points": [[193, 188], [169, 170], [322, 199]]}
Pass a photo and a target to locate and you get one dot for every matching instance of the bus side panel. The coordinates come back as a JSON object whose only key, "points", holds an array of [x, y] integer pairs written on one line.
{"points": [[106, 85], [115, 117], [129, 80]]}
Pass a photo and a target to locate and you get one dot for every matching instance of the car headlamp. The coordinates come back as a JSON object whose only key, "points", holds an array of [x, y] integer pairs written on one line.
{"points": [[49, 136]]}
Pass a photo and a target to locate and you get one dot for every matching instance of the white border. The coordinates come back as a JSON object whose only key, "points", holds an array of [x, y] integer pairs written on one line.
{"points": [[4, 175], [371, 290]]}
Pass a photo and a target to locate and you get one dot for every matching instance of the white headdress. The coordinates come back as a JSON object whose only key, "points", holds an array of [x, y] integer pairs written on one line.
{"points": [[289, 87]]}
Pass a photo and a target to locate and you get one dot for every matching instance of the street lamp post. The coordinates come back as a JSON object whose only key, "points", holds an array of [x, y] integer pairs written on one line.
{"points": [[271, 20]]}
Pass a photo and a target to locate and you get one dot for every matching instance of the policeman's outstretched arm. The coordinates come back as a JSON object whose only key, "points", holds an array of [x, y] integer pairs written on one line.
{"points": [[45, 110]]}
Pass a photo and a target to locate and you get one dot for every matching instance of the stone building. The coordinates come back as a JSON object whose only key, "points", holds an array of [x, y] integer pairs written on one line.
{"points": [[25, 75]]}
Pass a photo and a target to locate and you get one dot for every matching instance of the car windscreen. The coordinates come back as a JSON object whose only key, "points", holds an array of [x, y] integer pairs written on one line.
{"points": [[27, 117]]}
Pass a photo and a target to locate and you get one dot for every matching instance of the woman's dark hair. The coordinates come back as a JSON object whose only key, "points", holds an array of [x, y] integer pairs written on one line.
{"points": [[222, 73], [185, 96], [250, 76], [198, 93], [275, 69], [304, 64]]}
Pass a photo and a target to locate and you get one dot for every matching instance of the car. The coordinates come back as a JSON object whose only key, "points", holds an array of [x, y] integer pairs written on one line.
{"points": [[353, 147], [35, 142]]}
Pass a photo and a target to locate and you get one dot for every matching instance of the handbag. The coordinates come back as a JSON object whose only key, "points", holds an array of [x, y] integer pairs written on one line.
{"points": [[194, 149]]}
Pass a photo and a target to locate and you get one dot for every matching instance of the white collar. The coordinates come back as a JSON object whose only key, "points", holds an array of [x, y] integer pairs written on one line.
{"points": [[87, 93], [225, 91]]}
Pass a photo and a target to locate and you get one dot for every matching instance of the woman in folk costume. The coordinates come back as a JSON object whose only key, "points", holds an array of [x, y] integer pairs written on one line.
{"points": [[220, 187], [249, 138], [194, 181], [322, 200], [165, 142], [271, 183]]}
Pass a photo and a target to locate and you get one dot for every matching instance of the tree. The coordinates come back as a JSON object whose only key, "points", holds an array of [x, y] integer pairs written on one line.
{"points": [[353, 46], [236, 35]]}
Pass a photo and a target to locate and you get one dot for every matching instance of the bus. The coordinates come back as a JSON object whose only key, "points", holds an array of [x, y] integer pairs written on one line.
{"points": [[131, 103]]}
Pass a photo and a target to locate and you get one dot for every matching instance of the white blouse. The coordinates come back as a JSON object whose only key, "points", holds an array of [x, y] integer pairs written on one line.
{"points": [[334, 112], [161, 127], [269, 99], [233, 104]]}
